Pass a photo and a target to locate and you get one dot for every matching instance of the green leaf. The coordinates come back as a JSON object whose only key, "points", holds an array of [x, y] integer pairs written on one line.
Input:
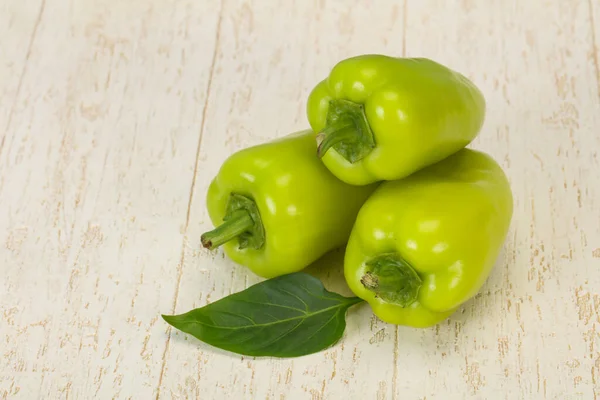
{"points": [[288, 316]]}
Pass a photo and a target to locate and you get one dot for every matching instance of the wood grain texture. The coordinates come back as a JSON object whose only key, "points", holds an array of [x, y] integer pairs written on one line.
{"points": [[96, 172], [115, 116], [19, 24]]}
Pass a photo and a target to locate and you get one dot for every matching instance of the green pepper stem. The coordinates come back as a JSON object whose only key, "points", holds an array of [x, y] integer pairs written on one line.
{"points": [[393, 280], [331, 136], [237, 223], [347, 130]]}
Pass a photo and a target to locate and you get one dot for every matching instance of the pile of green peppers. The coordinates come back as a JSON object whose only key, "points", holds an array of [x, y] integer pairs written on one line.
{"points": [[384, 170]]}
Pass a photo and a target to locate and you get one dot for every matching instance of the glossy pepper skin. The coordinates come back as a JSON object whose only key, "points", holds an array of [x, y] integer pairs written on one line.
{"points": [[423, 245], [383, 118], [278, 208]]}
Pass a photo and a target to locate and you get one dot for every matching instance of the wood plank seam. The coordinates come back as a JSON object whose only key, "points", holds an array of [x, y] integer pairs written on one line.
{"points": [[404, 20], [396, 330], [191, 196]]}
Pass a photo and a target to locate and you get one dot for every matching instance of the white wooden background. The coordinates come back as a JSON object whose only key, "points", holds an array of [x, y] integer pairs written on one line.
{"points": [[115, 115]]}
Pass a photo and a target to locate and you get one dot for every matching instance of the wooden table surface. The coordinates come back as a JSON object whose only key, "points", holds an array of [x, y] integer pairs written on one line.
{"points": [[115, 115]]}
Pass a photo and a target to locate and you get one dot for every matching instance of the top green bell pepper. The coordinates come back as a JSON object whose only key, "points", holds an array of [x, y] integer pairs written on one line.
{"points": [[383, 118], [423, 245], [278, 209]]}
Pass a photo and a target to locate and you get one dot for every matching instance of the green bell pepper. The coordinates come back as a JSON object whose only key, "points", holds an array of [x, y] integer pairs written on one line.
{"points": [[278, 208], [383, 118], [423, 245]]}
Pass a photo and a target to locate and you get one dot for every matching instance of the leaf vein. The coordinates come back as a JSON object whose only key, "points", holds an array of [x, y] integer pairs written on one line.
{"points": [[268, 304], [267, 323], [280, 336], [318, 330], [298, 297], [334, 298]]}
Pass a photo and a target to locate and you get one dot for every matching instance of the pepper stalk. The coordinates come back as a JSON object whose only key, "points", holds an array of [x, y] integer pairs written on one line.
{"points": [[347, 131], [242, 221], [393, 280]]}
